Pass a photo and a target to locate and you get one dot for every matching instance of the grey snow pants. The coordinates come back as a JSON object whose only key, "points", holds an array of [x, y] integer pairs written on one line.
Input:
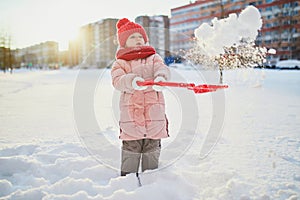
{"points": [[134, 151]]}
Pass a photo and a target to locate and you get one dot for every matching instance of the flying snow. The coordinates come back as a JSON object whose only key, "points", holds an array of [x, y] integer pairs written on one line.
{"points": [[229, 31]]}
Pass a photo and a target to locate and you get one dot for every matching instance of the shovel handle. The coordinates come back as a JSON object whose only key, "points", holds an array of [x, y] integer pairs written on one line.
{"points": [[191, 86]]}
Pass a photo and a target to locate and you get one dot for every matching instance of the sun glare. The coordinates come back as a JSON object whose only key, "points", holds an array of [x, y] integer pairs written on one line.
{"points": [[46, 21], [34, 21]]}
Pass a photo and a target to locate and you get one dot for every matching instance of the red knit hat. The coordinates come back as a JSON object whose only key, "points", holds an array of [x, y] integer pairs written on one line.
{"points": [[126, 28]]}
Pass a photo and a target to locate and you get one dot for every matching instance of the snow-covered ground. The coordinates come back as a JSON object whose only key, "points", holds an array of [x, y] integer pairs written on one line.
{"points": [[47, 150]]}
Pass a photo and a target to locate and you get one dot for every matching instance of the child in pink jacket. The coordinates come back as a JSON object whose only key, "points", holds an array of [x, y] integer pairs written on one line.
{"points": [[143, 121]]}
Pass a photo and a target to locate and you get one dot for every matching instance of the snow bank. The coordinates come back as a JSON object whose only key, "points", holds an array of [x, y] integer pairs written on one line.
{"points": [[288, 64], [69, 174]]}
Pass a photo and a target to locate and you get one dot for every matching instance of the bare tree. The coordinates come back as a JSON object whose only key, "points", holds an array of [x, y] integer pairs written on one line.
{"points": [[222, 16], [6, 57]]}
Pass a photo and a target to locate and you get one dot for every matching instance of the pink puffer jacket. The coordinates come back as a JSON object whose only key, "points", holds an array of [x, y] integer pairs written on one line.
{"points": [[142, 112]]}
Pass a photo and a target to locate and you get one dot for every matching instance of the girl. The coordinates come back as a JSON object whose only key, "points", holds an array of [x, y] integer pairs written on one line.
{"points": [[143, 122]]}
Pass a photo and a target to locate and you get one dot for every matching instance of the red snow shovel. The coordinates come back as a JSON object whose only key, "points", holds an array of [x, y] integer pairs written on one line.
{"points": [[191, 86]]}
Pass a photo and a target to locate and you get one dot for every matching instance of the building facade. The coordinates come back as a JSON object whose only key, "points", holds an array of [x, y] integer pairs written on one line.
{"points": [[281, 28], [44, 55], [96, 43], [73, 53], [157, 28]]}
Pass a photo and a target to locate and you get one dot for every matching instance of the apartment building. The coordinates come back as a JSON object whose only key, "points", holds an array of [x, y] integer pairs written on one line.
{"points": [[43, 55], [281, 28], [96, 43], [157, 28], [73, 53]]}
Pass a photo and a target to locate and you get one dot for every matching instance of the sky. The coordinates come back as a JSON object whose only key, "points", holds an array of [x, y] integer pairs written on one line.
{"points": [[30, 22]]}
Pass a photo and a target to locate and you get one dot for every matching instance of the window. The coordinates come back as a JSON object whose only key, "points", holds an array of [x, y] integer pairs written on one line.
{"points": [[294, 13], [235, 7], [268, 25], [285, 40], [286, 5], [268, 41], [269, 9]]}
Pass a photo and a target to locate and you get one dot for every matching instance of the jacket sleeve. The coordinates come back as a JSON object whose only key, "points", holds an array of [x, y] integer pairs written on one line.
{"points": [[120, 79], [160, 69]]}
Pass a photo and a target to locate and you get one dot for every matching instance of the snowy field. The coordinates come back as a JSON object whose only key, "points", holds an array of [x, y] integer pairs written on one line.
{"points": [[49, 149]]}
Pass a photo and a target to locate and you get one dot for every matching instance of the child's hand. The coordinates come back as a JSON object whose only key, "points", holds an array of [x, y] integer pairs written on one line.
{"points": [[136, 86], [157, 87]]}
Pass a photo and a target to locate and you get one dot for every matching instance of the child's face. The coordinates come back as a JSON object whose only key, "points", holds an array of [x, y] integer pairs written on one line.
{"points": [[134, 40]]}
